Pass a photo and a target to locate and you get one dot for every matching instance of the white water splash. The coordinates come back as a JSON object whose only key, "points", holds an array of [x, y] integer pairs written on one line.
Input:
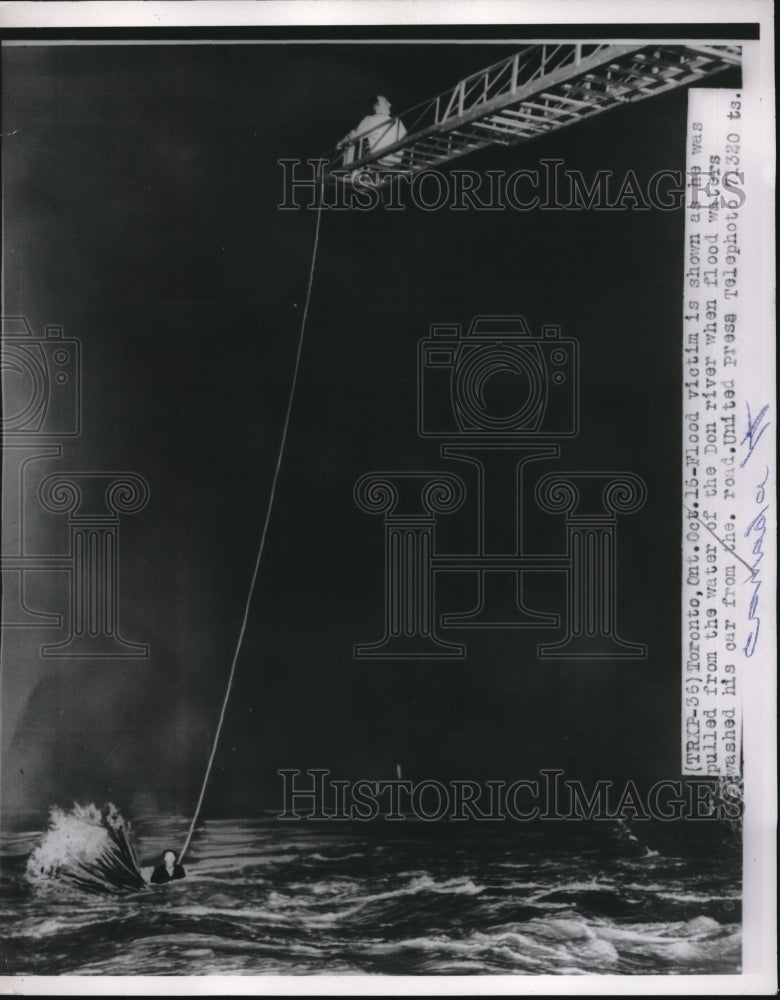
{"points": [[86, 847]]}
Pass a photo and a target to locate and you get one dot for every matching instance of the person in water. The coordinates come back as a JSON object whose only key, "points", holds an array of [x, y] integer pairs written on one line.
{"points": [[168, 870], [377, 130]]}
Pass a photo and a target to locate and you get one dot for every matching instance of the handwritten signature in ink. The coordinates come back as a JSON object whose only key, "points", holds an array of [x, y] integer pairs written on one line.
{"points": [[757, 528], [754, 431]]}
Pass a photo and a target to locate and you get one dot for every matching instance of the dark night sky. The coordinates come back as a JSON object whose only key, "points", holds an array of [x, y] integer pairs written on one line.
{"points": [[140, 200]]}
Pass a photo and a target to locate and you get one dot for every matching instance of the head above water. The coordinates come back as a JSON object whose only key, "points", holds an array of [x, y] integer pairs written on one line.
{"points": [[381, 105], [169, 858]]}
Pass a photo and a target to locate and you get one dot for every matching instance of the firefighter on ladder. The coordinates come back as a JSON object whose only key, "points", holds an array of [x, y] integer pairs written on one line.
{"points": [[373, 133]]}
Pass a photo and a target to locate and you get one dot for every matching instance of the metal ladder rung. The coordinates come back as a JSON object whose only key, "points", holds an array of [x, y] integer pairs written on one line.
{"points": [[664, 85], [630, 73], [489, 123], [416, 154], [436, 142], [548, 108], [531, 118], [464, 142], [461, 141], [515, 126], [594, 95], [428, 148], [601, 86], [549, 115], [448, 137], [668, 63], [477, 140], [565, 97], [728, 54], [503, 119]]}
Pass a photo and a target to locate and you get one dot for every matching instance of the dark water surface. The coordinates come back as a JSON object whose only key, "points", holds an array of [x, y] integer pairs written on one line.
{"points": [[264, 896]]}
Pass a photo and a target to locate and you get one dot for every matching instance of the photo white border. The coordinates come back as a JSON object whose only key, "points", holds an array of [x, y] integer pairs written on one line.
{"points": [[759, 892]]}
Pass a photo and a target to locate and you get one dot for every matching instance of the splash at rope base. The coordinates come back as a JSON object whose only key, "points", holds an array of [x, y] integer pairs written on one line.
{"points": [[88, 848]]}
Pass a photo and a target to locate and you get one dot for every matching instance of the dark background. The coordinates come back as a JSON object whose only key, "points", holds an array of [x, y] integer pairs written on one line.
{"points": [[141, 187]]}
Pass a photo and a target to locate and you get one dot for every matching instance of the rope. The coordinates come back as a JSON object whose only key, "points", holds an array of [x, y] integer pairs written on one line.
{"points": [[258, 560]]}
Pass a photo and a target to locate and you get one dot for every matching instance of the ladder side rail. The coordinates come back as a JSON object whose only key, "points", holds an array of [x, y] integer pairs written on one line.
{"points": [[565, 69], [731, 54], [602, 55]]}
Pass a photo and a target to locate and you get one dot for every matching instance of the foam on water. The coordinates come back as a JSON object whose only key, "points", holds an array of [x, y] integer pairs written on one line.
{"points": [[87, 847], [263, 897]]}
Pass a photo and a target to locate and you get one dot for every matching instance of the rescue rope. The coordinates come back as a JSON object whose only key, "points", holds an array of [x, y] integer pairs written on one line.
{"points": [[261, 547]]}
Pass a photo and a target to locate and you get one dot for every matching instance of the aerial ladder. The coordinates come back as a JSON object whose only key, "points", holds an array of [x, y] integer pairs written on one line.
{"points": [[539, 89]]}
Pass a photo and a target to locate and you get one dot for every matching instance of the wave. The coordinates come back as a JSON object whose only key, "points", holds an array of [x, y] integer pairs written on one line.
{"points": [[693, 942], [282, 900], [534, 946], [336, 857], [569, 945], [88, 848]]}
